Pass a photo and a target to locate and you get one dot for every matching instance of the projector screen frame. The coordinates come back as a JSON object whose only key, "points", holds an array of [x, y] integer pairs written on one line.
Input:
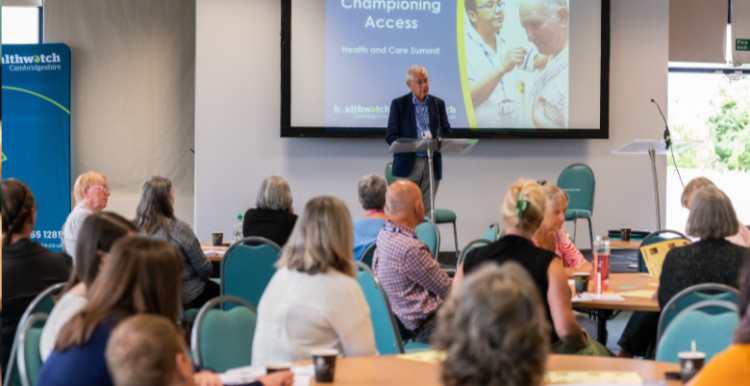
{"points": [[287, 130]]}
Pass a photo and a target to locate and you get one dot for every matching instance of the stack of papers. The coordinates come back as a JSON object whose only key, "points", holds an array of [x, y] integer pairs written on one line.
{"points": [[587, 297], [619, 378], [431, 356], [640, 294], [249, 374]]}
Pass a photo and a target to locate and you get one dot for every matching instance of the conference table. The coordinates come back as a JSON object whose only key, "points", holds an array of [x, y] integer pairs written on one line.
{"points": [[394, 371], [637, 290], [214, 253]]}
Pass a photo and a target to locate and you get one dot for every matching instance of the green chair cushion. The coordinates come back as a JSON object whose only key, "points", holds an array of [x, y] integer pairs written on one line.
{"points": [[571, 214], [190, 314], [443, 216], [415, 347]]}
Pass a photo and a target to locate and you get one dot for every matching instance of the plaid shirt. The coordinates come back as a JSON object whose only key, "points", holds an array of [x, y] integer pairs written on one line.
{"points": [[415, 283]]}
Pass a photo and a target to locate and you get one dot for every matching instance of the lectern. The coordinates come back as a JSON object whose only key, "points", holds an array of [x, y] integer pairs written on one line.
{"points": [[652, 148], [429, 146]]}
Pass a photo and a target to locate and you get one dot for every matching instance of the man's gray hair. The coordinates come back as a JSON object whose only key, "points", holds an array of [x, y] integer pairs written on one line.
{"points": [[372, 190], [552, 6], [274, 194], [413, 70]]}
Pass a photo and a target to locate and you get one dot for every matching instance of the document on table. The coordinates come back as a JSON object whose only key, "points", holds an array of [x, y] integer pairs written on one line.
{"points": [[213, 251], [249, 374], [592, 377], [639, 294], [432, 356], [587, 297], [654, 254]]}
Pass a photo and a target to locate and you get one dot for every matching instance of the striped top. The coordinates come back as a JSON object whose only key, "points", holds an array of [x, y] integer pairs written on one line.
{"points": [[565, 249]]}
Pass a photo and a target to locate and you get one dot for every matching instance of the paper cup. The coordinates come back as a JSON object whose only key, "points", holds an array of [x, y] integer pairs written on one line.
{"points": [[690, 364], [625, 234], [325, 365], [217, 238], [581, 281]]}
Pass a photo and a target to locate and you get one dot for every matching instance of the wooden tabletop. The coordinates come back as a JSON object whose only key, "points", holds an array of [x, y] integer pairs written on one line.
{"points": [[393, 371], [619, 244], [627, 282], [214, 253]]}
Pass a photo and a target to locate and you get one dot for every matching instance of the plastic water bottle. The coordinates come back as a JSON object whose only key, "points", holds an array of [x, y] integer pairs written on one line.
{"points": [[238, 228], [601, 264]]}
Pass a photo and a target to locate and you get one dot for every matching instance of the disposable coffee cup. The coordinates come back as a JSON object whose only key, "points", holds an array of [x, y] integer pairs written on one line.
{"points": [[277, 366], [625, 234], [690, 363], [325, 365], [581, 281], [217, 238]]}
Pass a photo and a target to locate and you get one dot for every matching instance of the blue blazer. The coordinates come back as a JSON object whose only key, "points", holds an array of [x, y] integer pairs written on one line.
{"points": [[402, 123]]}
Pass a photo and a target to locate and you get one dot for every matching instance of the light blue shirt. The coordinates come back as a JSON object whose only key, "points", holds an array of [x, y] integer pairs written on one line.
{"points": [[366, 232], [422, 115]]}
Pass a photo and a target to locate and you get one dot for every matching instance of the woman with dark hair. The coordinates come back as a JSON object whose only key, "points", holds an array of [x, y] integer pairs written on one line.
{"points": [[28, 267], [732, 367], [142, 275], [156, 218], [95, 239]]}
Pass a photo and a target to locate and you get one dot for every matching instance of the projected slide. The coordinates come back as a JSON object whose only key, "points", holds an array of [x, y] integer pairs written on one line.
{"points": [[499, 65]]}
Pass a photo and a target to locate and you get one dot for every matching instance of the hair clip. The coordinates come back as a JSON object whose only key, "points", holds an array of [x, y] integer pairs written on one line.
{"points": [[521, 204]]}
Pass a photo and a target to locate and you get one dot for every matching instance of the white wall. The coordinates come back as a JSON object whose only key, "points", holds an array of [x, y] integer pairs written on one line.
{"points": [[237, 130]]}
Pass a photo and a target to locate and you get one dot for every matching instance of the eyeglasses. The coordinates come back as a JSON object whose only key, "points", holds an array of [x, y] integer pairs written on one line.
{"points": [[491, 5], [103, 188]]}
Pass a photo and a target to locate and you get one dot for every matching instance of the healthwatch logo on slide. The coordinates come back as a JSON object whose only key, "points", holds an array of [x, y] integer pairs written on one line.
{"points": [[32, 62]]}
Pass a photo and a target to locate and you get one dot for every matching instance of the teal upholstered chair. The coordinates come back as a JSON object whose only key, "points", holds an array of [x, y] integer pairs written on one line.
{"points": [[693, 295], [428, 233], [470, 247], [653, 238], [442, 216], [493, 232], [246, 270], [43, 304], [368, 254], [387, 336], [29, 355], [579, 181], [223, 340], [711, 331]]}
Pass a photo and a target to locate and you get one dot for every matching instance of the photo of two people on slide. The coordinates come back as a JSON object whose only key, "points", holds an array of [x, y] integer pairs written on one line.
{"points": [[517, 62]]}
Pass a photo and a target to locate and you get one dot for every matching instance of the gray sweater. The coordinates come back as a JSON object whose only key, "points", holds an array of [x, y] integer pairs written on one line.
{"points": [[198, 268]]}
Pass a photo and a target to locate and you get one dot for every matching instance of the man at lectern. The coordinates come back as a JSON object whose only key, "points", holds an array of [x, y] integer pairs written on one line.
{"points": [[417, 115]]}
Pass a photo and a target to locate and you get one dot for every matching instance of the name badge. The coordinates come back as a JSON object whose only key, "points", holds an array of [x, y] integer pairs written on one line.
{"points": [[426, 135]]}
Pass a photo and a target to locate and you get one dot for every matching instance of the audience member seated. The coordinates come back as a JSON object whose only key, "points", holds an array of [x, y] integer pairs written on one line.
{"points": [[149, 350], [98, 233], [523, 211], [156, 217], [273, 217], [91, 192], [742, 237], [551, 235], [28, 267], [415, 283], [713, 259], [141, 276], [732, 367], [372, 190], [313, 300], [494, 330]]}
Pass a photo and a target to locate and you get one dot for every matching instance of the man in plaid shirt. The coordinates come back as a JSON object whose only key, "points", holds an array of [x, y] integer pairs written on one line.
{"points": [[415, 283]]}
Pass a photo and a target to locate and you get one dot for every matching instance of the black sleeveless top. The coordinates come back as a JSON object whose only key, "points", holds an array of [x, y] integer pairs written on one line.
{"points": [[533, 259]]}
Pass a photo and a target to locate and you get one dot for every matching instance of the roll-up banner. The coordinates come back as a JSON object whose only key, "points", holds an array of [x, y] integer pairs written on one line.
{"points": [[36, 130]]}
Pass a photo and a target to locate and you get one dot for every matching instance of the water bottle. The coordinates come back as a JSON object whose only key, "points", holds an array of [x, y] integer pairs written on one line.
{"points": [[601, 264], [238, 228]]}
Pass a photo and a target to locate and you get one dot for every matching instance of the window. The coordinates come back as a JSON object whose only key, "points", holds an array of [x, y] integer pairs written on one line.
{"points": [[21, 25]]}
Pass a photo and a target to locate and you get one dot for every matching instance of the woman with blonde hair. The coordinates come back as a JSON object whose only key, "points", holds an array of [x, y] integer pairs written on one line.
{"points": [[494, 330], [523, 211], [313, 300], [551, 235]]}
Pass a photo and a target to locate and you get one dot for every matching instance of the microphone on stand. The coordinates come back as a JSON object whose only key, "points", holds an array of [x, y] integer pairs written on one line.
{"points": [[668, 141]]}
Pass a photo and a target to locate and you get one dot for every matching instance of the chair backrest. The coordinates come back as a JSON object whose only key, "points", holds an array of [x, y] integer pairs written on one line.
{"points": [[470, 247], [656, 237], [387, 337], [492, 232], [223, 340], [712, 332], [579, 181], [29, 358], [42, 303], [389, 178], [428, 233], [691, 296], [246, 270], [368, 254]]}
